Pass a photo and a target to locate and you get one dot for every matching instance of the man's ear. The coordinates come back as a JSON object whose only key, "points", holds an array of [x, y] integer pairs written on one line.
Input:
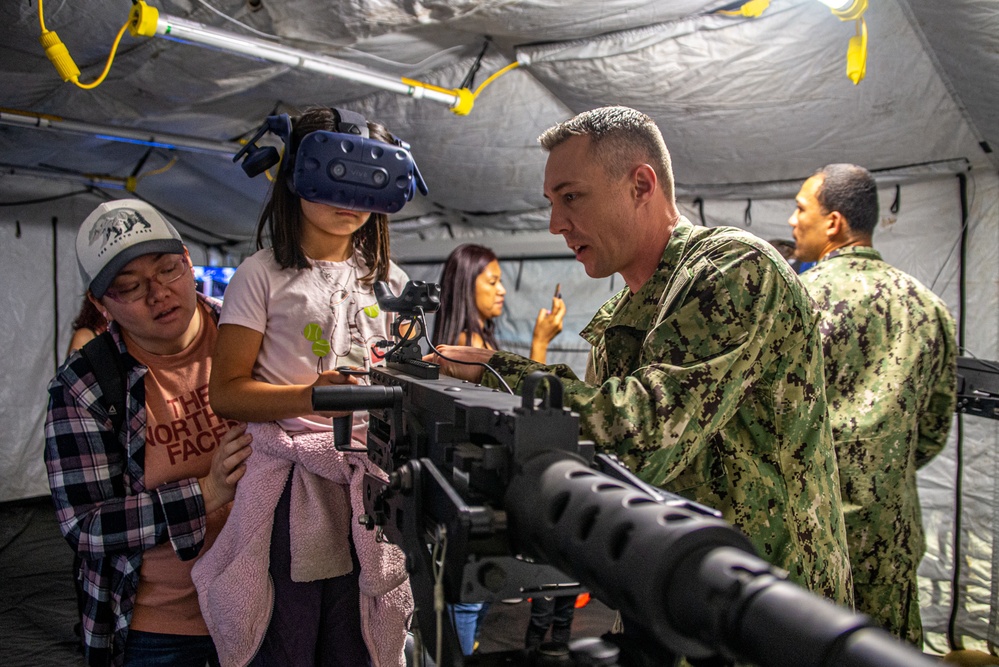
{"points": [[644, 182], [836, 226]]}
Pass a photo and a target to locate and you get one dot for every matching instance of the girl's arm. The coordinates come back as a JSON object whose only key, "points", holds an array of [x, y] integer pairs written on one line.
{"points": [[234, 393]]}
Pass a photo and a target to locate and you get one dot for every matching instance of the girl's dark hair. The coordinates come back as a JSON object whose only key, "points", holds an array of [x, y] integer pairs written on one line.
{"points": [[90, 317], [282, 214], [458, 313]]}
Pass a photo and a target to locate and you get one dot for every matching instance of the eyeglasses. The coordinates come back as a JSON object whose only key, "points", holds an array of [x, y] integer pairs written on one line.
{"points": [[132, 289]]}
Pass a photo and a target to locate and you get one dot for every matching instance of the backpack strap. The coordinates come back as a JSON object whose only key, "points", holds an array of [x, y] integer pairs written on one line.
{"points": [[105, 360]]}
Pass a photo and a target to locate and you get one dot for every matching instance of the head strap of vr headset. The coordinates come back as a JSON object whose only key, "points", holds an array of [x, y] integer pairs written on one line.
{"points": [[257, 159]]}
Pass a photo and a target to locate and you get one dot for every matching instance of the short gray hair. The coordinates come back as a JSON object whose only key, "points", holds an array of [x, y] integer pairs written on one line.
{"points": [[619, 135]]}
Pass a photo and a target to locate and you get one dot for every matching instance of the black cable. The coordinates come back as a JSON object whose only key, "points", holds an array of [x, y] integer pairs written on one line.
{"points": [[421, 318], [955, 582], [45, 200], [699, 202], [469, 79], [967, 206], [142, 162], [55, 293]]}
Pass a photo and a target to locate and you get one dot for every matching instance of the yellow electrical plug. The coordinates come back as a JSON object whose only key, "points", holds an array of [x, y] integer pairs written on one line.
{"points": [[751, 9], [856, 54], [57, 52], [142, 20], [466, 100]]}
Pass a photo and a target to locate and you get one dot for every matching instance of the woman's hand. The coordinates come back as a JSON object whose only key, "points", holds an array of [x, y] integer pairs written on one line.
{"points": [[547, 326], [218, 487]]}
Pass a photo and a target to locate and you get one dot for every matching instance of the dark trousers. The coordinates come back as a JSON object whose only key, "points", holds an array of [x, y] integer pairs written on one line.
{"points": [[555, 613], [313, 623], [152, 649]]}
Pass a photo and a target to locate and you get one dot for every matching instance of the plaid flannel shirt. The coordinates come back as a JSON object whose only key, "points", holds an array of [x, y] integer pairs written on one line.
{"points": [[104, 509]]}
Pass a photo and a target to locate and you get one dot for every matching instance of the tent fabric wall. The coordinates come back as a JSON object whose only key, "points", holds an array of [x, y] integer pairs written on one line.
{"points": [[976, 609]]}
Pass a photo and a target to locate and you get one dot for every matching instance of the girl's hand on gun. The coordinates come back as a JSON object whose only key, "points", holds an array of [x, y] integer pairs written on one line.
{"points": [[328, 378]]}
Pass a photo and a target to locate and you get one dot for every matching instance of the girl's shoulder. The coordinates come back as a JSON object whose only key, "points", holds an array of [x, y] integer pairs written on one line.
{"points": [[397, 278], [262, 258]]}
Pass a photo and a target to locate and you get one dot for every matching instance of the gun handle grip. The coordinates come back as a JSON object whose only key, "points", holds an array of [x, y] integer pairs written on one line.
{"points": [[342, 428]]}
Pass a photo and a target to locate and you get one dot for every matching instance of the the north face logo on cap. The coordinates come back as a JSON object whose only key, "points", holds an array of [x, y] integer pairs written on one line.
{"points": [[117, 226]]}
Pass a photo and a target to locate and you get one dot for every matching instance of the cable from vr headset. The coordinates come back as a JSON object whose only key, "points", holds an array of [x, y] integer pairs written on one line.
{"points": [[346, 169]]}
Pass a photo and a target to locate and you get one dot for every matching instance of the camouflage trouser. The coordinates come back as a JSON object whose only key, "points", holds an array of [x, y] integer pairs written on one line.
{"points": [[895, 607]]}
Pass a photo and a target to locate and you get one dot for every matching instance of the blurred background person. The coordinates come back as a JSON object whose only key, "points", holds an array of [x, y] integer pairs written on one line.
{"points": [[88, 325]]}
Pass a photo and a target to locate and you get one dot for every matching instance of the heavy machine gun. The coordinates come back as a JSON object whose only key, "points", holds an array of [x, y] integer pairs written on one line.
{"points": [[493, 496]]}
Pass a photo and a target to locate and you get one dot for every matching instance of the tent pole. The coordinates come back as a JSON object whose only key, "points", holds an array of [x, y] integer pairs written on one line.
{"points": [[952, 639]]}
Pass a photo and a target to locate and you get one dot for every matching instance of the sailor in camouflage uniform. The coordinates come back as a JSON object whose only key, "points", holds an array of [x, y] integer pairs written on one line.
{"points": [[706, 371], [890, 366]]}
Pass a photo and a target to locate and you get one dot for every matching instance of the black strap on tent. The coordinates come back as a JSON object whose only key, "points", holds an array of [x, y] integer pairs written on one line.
{"points": [[102, 355], [699, 202], [895, 205], [953, 639]]}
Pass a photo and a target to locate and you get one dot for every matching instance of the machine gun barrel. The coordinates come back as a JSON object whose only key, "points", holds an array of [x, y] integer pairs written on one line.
{"points": [[691, 582]]}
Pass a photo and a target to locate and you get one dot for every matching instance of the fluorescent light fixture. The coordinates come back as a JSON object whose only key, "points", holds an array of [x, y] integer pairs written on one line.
{"points": [[846, 10], [140, 137], [147, 21]]}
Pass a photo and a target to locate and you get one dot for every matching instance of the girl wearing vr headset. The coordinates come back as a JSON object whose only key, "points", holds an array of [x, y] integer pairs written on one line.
{"points": [[293, 313]]}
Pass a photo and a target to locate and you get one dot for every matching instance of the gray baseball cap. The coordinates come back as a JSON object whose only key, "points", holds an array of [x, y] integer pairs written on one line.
{"points": [[117, 232]]}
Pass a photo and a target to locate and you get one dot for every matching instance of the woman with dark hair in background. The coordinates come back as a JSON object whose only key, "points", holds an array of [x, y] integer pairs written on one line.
{"points": [[472, 296]]}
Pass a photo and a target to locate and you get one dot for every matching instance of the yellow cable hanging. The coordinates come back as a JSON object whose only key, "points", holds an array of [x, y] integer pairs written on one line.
{"points": [[58, 54], [134, 180], [466, 98]]}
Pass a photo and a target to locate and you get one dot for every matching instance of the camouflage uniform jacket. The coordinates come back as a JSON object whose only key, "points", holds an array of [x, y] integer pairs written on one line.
{"points": [[708, 382], [890, 365]]}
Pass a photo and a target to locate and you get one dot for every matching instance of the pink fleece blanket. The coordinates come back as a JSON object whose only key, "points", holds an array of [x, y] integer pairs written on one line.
{"points": [[234, 588]]}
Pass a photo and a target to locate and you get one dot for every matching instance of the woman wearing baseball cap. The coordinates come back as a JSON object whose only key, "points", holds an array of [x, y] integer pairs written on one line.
{"points": [[139, 499]]}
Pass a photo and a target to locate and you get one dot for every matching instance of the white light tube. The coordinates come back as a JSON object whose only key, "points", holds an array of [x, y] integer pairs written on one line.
{"points": [[142, 137], [197, 33], [836, 5]]}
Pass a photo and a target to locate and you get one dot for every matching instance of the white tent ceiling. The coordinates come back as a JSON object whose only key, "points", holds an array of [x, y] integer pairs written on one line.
{"points": [[741, 101]]}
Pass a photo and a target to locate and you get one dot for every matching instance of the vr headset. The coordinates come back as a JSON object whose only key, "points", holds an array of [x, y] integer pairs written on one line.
{"points": [[346, 169]]}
